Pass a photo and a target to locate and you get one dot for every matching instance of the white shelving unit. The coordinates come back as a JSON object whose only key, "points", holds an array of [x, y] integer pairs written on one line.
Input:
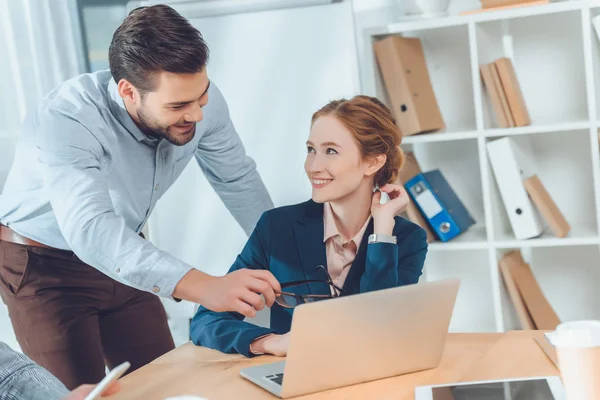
{"points": [[556, 55]]}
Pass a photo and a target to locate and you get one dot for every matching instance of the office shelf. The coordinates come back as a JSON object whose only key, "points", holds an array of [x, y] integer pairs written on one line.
{"points": [[558, 71]]}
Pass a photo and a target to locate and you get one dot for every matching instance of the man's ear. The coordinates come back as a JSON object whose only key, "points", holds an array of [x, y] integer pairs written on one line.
{"points": [[374, 164], [128, 92]]}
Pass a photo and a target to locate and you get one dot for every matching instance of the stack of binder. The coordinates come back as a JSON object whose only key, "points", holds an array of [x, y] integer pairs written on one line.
{"points": [[434, 205], [487, 4], [404, 72], [504, 92], [523, 193], [533, 309], [496, 5]]}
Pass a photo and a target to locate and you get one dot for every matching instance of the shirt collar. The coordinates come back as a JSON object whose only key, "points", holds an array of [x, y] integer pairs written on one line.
{"points": [[331, 229], [117, 106]]}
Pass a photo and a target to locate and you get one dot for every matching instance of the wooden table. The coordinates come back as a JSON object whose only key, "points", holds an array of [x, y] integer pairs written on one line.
{"points": [[191, 370]]}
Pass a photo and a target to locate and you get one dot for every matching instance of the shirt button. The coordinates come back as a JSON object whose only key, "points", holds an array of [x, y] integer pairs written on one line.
{"points": [[156, 289], [156, 187], [118, 270]]}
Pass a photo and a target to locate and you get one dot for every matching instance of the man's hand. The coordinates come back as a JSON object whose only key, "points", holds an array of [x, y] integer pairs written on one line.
{"points": [[82, 391], [272, 344], [238, 291]]}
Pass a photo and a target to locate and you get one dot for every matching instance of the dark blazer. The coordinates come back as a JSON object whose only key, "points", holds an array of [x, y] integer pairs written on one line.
{"points": [[288, 241]]}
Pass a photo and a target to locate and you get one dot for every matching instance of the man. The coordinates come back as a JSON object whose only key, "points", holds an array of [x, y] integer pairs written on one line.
{"points": [[92, 160], [20, 378]]}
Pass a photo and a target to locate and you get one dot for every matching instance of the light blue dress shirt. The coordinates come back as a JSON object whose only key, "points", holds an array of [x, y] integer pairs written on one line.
{"points": [[85, 178]]}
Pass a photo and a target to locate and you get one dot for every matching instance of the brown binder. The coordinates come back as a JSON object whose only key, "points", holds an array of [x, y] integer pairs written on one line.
{"points": [[494, 96], [538, 306], [408, 171], [500, 3], [507, 262], [548, 349], [406, 78], [513, 257], [502, 94], [410, 168], [512, 90], [506, 7], [547, 207]]}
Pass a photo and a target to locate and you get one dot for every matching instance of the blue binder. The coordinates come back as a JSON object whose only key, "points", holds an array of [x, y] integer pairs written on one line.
{"points": [[438, 203]]}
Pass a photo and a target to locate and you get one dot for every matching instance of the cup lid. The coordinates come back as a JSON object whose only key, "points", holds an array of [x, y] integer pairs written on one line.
{"points": [[576, 334]]}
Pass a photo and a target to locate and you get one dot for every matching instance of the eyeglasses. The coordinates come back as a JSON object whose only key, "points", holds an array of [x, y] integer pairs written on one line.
{"points": [[291, 300]]}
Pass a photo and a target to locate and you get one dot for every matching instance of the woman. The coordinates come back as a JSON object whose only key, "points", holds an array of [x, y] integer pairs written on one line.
{"points": [[353, 148]]}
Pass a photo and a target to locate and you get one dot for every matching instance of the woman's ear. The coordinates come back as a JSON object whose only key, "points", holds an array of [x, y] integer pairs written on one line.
{"points": [[374, 164]]}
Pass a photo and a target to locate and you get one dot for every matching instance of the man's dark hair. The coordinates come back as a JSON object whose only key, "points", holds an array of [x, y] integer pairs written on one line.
{"points": [[154, 39]]}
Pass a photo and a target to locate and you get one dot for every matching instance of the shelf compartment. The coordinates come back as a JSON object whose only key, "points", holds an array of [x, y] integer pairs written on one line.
{"points": [[562, 161], [448, 58], [474, 308], [463, 176], [560, 272], [549, 64]]}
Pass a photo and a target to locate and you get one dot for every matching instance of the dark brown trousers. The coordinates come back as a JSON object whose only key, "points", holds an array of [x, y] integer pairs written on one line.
{"points": [[73, 320]]}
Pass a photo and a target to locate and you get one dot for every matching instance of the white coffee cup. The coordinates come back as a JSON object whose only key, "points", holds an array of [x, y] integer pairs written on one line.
{"points": [[577, 346]]}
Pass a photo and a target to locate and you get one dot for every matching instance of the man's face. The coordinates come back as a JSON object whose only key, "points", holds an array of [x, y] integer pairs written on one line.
{"points": [[172, 110]]}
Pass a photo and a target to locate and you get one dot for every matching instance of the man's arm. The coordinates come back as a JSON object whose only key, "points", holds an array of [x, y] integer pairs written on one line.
{"points": [[71, 158], [21, 378], [226, 331], [232, 173], [77, 188]]}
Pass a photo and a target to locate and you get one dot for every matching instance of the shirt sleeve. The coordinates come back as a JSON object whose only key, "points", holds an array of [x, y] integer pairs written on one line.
{"points": [[21, 378], [258, 353], [230, 171], [227, 331], [389, 265], [72, 159]]}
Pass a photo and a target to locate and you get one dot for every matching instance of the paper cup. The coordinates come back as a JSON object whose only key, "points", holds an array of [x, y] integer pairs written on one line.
{"points": [[577, 346]]}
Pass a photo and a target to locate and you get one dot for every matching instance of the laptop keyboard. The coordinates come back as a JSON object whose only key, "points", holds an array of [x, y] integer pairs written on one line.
{"points": [[276, 378]]}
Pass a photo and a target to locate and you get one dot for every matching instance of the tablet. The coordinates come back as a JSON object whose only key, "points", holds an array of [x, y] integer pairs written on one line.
{"points": [[537, 388]]}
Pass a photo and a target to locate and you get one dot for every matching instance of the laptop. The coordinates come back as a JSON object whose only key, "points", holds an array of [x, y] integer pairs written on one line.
{"points": [[360, 338]]}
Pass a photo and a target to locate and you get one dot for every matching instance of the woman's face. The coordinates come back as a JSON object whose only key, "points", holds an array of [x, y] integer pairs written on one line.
{"points": [[334, 164]]}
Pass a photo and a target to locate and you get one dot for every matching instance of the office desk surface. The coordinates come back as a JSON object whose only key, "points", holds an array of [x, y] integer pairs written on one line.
{"points": [[191, 370]]}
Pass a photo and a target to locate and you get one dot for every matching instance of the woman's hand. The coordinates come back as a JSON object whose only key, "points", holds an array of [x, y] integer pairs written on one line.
{"points": [[276, 345], [383, 214]]}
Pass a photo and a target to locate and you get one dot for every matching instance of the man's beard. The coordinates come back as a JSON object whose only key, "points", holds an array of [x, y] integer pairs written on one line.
{"points": [[152, 128]]}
